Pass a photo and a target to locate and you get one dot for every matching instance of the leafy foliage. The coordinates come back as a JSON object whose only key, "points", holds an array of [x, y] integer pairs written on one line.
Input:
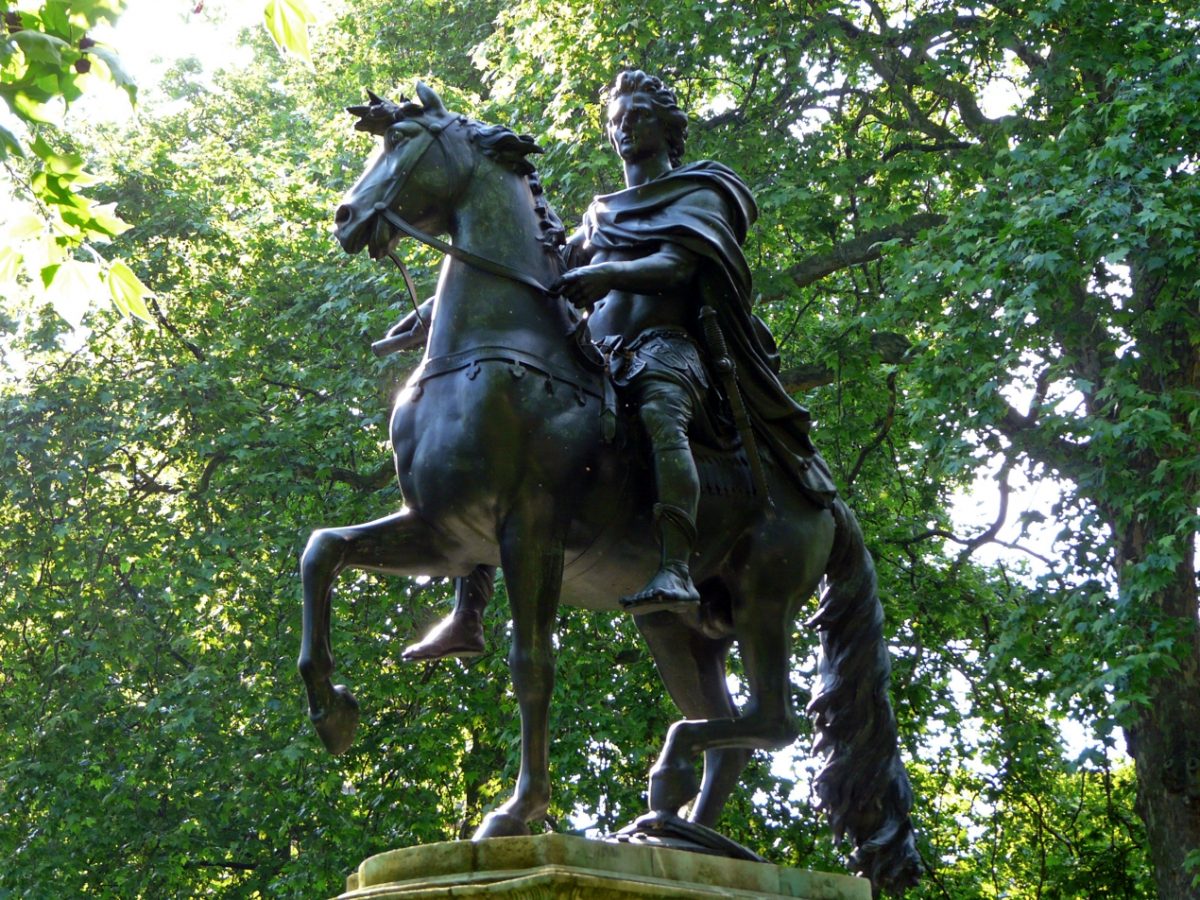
{"points": [[47, 57], [287, 22], [961, 290]]}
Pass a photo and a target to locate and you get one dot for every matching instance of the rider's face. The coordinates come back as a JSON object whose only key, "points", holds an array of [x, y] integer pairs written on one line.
{"points": [[634, 128]]}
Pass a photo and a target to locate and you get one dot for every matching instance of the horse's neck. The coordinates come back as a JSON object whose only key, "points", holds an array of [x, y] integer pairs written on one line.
{"points": [[496, 220]]}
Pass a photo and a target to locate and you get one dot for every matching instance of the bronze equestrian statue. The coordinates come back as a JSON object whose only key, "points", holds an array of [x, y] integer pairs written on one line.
{"points": [[510, 453]]}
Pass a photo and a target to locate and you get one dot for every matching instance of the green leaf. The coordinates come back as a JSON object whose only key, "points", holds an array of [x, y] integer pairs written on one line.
{"points": [[71, 289], [128, 292], [287, 22], [116, 71], [105, 221], [31, 105], [98, 10], [39, 47], [58, 163], [48, 274], [24, 224], [10, 264], [56, 17], [9, 145]]}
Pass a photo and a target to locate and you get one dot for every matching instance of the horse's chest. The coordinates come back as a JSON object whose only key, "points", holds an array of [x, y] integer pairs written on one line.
{"points": [[476, 435]]}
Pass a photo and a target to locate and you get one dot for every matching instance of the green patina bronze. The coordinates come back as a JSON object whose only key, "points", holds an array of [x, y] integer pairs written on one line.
{"points": [[706, 513]]}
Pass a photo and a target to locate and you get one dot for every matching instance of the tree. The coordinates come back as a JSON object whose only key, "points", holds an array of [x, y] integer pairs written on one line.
{"points": [[156, 486], [47, 56]]}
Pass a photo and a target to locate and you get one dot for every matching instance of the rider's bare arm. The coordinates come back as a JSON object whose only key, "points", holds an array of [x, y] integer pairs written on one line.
{"points": [[664, 271], [576, 252]]}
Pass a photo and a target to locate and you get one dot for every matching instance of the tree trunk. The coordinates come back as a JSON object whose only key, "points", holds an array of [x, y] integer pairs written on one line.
{"points": [[1165, 738]]}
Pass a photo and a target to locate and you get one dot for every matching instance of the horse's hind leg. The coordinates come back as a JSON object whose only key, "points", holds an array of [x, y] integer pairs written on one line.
{"points": [[692, 667], [784, 567], [401, 544], [767, 721]]}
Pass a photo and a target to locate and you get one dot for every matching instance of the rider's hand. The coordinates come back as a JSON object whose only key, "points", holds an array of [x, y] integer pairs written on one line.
{"points": [[584, 286]]}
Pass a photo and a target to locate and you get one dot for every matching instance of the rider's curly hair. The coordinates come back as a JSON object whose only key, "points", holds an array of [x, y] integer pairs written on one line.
{"points": [[662, 98]]}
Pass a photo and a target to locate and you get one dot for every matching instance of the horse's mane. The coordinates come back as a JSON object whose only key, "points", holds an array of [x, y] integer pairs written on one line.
{"points": [[512, 151]]}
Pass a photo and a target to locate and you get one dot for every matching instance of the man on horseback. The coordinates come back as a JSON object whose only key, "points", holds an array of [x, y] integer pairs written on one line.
{"points": [[641, 287], [645, 261]]}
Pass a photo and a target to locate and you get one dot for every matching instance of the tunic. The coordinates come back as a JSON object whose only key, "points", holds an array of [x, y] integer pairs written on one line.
{"points": [[659, 212]]}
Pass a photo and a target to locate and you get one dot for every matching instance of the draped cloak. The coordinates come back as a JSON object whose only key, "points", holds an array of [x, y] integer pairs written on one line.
{"points": [[667, 210]]}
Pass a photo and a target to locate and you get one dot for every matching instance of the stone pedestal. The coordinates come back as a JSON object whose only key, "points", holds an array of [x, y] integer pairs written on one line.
{"points": [[556, 866]]}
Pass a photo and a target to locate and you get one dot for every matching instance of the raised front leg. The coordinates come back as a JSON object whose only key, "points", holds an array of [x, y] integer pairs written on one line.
{"points": [[531, 553], [402, 544]]}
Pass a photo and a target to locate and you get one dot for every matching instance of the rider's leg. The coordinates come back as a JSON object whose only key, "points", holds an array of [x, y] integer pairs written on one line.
{"points": [[665, 409], [460, 633]]}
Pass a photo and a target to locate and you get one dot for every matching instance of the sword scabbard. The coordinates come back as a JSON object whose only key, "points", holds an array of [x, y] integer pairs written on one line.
{"points": [[726, 370]]}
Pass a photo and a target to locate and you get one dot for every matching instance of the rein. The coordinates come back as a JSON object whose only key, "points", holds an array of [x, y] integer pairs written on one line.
{"points": [[472, 259], [433, 135]]}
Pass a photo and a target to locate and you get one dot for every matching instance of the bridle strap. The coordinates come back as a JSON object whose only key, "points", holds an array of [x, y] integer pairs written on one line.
{"points": [[465, 256], [433, 134]]}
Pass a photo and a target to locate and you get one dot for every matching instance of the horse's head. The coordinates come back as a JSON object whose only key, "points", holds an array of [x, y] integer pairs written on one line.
{"points": [[420, 168]]}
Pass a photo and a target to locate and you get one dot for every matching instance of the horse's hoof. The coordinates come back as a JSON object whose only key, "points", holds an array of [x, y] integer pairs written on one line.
{"points": [[672, 786], [337, 722], [500, 824]]}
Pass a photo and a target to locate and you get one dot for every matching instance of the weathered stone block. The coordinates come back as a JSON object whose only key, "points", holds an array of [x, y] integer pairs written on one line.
{"points": [[556, 866]]}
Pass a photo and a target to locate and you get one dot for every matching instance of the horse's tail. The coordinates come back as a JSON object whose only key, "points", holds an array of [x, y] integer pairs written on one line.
{"points": [[863, 786]]}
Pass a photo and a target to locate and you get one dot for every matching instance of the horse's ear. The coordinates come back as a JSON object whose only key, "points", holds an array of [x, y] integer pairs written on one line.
{"points": [[429, 99]]}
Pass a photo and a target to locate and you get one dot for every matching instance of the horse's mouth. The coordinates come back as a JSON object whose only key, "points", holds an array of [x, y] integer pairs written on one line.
{"points": [[382, 238], [374, 233]]}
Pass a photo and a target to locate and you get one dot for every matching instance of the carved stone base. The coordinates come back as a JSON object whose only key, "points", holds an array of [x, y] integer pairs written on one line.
{"points": [[554, 866]]}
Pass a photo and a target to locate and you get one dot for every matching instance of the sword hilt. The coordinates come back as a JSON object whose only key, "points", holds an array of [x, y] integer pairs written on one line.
{"points": [[715, 339]]}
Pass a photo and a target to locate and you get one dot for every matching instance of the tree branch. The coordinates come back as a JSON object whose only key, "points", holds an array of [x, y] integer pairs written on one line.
{"points": [[204, 864], [884, 426], [805, 378], [162, 320], [210, 469], [892, 349], [1028, 436], [298, 388], [375, 480], [914, 147], [990, 533], [920, 70], [859, 250]]}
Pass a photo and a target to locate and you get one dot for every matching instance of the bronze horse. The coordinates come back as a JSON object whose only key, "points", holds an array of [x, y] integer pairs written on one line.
{"points": [[499, 450]]}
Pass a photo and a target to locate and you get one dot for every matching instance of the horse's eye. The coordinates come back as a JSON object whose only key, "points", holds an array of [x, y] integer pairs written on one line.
{"points": [[399, 133]]}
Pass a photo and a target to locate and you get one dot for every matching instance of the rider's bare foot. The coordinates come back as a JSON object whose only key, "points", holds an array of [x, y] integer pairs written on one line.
{"points": [[670, 588], [460, 634]]}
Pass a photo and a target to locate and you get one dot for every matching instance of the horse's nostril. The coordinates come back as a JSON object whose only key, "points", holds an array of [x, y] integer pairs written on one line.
{"points": [[342, 216]]}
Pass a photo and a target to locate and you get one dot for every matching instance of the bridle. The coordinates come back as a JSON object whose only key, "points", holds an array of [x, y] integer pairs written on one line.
{"points": [[518, 361], [431, 133]]}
